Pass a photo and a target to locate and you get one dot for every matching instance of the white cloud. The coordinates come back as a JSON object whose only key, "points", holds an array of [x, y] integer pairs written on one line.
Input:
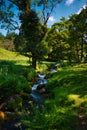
{"points": [[79, 11], [69, 2], [83, 7], [51, 21], [51, 18]]}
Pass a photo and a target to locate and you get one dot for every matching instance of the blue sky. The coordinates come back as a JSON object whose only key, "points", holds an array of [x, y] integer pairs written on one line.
{"points": [[64, 9]]}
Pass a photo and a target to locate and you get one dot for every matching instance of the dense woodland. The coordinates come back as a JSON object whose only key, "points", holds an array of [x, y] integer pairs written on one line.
{"points": [[37, 48]]}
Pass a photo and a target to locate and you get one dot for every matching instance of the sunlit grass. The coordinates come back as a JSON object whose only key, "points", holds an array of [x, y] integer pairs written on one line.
{"points": [[69, 85], [76, 98], [41, 67], [8, 55]]}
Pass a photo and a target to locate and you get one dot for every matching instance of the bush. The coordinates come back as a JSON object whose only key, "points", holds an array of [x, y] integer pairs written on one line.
{"points": [[12, 84], [56, 119], [9, 67], [15, 104]]}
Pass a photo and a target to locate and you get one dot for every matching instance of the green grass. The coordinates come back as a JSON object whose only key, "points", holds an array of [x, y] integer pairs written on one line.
{"points": [[67, 87], [13, 56], [70, 80], [67, 104], [14, 71]]}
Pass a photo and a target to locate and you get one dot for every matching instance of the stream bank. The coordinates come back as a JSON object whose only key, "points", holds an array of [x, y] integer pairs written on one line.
{"points": [[37, 96]]}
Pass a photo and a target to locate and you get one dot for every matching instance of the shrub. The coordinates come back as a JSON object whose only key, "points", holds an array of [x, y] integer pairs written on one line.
{"points": [[12, 84], [15, 104]]}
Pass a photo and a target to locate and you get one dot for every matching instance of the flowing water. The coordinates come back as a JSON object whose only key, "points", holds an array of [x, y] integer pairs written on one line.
{"points": [[37, 88], [37, 95]]}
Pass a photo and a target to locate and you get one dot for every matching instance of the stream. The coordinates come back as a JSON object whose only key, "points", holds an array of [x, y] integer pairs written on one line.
{"points": [[38, 98], [38, 95], [38, 89]]}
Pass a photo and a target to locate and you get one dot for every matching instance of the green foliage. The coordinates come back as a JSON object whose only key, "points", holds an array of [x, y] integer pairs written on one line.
{"points": [[14, 79], [29, 73], [61, 118], [56, 118], [66, 39], [67, 88], [77, 29], [7, 15], [57, 41], [6, 42], [67, 77], [12, 67], [16, 104], [30, 39], [12, 84], [60, 112], [36, 122]]}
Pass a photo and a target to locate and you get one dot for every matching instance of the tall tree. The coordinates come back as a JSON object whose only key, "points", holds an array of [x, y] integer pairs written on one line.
{"points": [[31, 30], [78, 28], [31, 37], [57, 41]]}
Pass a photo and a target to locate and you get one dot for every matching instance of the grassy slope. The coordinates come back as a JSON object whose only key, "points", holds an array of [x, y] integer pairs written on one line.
{"points": [[8, 55], [69, 85], [71, 79], [12, 56]]}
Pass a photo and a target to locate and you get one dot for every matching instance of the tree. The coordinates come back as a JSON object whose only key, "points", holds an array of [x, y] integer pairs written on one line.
{"points": [[1, 40], [7, 13], [7, 16], [33, 31], [57, 41], [83, 31], [47, 7], [77, 29], [6, 42], [32, 39]]}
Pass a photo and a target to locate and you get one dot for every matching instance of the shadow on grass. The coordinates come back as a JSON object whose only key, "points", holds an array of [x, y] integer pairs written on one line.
{"points": [[14, 79], [16, 67]]}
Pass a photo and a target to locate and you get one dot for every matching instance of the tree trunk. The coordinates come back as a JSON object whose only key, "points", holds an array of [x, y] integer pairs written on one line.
{"points": [[78, 54], [82, 49], [85, 59], [34, 61]]}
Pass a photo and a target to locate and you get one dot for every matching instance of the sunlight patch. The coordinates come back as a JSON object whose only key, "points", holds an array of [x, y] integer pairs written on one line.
{"points": [[76, 98]]}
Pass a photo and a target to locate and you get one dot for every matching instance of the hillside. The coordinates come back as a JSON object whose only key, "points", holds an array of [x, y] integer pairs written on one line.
{"points": [[8, 55], [69, 105]]}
